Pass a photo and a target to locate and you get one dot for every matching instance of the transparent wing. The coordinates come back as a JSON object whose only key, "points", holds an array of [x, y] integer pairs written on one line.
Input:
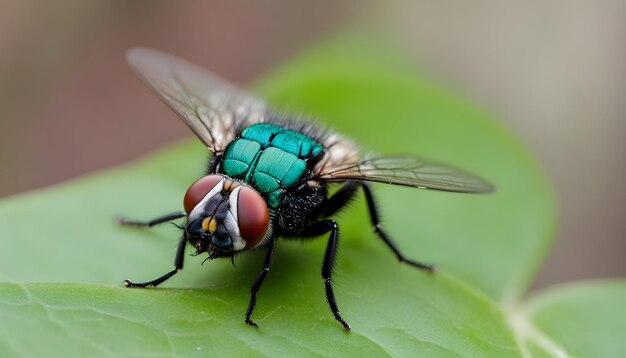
{"points": [[409, 171], [214, 109]]}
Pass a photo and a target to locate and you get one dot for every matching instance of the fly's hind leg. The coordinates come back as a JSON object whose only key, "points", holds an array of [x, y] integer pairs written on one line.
{"points": [[150, 223], [371, 204], [345, 194]]}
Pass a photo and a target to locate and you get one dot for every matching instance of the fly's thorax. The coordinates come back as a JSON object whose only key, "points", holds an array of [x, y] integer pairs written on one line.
{"points": [[270, 158], [224, 216]]}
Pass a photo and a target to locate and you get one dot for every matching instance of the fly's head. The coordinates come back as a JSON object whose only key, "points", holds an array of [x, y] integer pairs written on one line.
{"points": [[224, 216]]}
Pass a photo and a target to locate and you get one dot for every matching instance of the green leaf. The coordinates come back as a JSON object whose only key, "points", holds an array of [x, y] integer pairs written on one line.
{"points": [[425, 316], [488, 247], [581, 320]]}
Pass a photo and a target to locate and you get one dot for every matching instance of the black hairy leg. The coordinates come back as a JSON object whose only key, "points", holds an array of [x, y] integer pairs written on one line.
{"points": [[178, 265], [371, 205], [345, 194], [256, 286], [317, 229], [340, 198]]}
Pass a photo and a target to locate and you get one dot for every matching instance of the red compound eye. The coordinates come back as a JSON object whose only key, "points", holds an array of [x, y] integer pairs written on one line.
{"points": [[198, 190], [253, 216]]}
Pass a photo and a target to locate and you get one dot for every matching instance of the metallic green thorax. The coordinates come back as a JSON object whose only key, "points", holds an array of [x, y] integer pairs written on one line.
{"points": [[270, 158]]}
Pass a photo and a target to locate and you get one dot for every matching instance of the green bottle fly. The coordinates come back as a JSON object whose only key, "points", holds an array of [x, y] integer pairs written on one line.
{"points": [[269, 175]]}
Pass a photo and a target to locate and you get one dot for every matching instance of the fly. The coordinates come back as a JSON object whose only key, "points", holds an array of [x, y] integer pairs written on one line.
{"points": [[269, 175]]}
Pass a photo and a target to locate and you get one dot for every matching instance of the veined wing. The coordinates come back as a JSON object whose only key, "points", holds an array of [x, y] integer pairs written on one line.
{"points": [[215, 110], [409, 171]]}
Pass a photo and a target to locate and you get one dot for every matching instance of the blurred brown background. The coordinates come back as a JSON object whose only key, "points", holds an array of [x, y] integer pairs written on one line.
{"points": [[554, 71]]}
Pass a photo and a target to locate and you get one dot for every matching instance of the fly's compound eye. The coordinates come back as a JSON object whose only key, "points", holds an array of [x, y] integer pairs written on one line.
{"points": [[198, 190], [253, 216]]}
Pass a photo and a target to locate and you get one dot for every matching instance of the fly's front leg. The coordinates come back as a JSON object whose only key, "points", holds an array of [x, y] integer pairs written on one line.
{"points": [[178, 265], [317, 229], [150, 223], [371, 204], [259, 281]]}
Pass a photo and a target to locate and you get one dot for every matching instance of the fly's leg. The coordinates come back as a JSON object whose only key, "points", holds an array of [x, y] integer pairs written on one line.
{"points": [[340, 198], [150, 223], [178, 265], [259, 281], [317, 229], [371, 204], [345, 194], [178, 261]]}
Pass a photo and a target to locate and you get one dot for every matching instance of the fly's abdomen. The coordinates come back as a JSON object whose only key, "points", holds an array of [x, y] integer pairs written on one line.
{"points": [[270, 158]]}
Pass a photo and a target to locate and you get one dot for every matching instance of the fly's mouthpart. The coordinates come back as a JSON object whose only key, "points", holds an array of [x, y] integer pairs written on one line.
{"points": [[204, 245], [200, 248], [215, 252], [212, 251]]}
